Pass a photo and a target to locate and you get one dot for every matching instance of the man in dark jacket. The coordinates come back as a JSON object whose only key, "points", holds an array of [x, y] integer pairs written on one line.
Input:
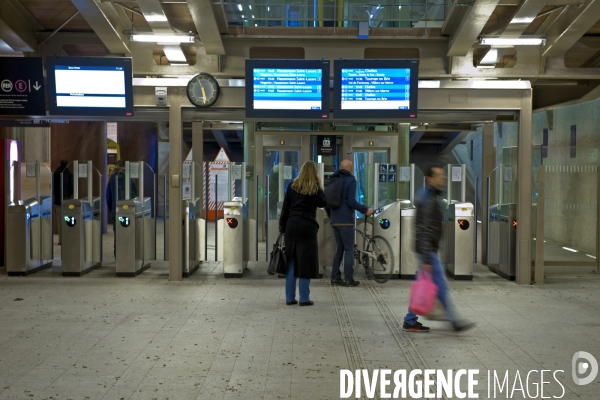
{"points": [[67, 192], [428, 232], [342, 220]]}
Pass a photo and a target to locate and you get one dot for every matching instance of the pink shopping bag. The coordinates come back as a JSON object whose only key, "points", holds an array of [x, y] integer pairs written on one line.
{"points": [[422, 294]]}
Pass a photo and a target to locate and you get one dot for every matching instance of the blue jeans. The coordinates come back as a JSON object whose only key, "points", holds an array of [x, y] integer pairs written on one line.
{"points": [[344, 237], [290, 285], [439, 279]]}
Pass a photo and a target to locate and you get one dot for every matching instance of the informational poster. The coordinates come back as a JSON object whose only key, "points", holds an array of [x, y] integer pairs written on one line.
{"points": [[287, 172], [404, 174], [508, 174], [30, 170], [456, 174], [134, 172], [236, 171], [83, 172]]}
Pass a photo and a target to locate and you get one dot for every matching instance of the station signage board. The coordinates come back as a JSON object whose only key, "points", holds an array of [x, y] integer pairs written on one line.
{"points": [[326, 145], [22, 89]]}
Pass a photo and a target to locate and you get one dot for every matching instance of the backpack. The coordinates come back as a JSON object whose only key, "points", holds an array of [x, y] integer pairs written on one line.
{"points": [[334, 192]]}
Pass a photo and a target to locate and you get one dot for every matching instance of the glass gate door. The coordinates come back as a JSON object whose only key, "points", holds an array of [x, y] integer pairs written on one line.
{"points": [[363, 171]]}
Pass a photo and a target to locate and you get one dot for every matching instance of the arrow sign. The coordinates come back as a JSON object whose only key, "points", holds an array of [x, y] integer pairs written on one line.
{"points": [[16, 96]]}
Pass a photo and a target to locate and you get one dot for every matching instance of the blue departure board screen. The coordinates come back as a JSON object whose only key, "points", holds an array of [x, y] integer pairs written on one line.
{"points": [[287, 88], [370, 88], [293, 89], [375, 89]]}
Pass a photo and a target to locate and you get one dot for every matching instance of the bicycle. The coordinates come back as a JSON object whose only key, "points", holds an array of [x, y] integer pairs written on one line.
{"points": [[377, 257]]}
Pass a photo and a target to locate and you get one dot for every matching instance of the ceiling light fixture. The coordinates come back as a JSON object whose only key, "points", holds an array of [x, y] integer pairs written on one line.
{"points": [[514, 41], [162, 38], [156, 18], [240, 7]]}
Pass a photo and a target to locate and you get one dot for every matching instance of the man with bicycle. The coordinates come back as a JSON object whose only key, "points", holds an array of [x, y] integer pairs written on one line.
{"points": [[428, 232], [342, 221]]}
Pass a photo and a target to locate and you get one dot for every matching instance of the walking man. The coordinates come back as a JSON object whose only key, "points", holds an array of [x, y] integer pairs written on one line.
{"points": [[342, 221], [428, 232]]}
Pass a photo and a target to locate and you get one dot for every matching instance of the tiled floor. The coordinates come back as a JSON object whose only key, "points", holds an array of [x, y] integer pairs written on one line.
{"points": [[102, 337]]}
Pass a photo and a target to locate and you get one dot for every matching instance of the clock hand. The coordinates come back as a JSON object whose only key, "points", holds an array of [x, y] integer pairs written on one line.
{"points": [[203, 94]]}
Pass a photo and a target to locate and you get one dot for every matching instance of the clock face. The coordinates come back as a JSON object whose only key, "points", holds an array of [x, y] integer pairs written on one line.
{"points": [[203, 90]]}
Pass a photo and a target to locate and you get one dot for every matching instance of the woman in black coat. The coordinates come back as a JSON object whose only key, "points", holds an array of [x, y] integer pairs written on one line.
{"points": [[299, 226]]}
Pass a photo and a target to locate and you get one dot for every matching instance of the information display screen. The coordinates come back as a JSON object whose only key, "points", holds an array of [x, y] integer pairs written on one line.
{"points": [[90, 86], [375, 88], [287, 88]]}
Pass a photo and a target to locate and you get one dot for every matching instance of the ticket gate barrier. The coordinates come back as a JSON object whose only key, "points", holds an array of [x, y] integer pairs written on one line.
{"points": [[409, 261], [82, 236], [30, 240], [502, 240], [194, 229], [136, 242], [459, 241], [388, 226], [235, 254]]}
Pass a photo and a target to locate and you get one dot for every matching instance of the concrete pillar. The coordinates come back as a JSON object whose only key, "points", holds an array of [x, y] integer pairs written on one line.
{"points": [[524, 181], [403, 149], [488, 161], [174, 179]]}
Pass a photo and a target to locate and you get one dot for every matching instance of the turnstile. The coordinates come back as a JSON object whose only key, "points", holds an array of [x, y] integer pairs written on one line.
{"points": [[193, 236], [234, 249], [409, 261], [388, 226], [502, 240], [135, 244], [82, 236], [30, 236], [459, 241]]}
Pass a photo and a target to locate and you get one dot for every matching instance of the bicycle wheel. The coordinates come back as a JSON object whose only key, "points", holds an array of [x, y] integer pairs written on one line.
{"points": [[327, 250], [381, 264]]}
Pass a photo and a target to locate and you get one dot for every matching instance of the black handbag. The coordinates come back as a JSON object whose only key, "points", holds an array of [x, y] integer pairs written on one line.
{"points": [[278, 263]]}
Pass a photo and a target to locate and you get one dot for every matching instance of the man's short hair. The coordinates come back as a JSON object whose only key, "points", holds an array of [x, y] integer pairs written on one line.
{"points": [[64, 163], [429, 171]]}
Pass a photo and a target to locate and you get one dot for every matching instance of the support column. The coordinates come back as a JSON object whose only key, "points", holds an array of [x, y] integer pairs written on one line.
{"points": [[403, 188], [488, 162], [524, 181], [175, 197]]}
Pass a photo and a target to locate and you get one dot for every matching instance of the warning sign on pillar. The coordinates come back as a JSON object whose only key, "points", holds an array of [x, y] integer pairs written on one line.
{"points": [[22, 86]]}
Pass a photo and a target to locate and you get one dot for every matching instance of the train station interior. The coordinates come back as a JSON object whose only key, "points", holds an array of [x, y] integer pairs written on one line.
{"points": [[148, 146]]}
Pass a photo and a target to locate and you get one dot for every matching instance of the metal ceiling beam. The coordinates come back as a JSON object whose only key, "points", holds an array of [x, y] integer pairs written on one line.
{"points": [[414, 139], [455, 15], [240, 134], [205, 19], [105, 21], [528, 12], [220, 137], [22, 11], [15, 28], [453, 139], [155, 16], [581, 19], [470, 27]]}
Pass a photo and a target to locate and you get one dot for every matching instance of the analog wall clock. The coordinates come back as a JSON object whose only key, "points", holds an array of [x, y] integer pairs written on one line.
{"points": [[203, 90]]}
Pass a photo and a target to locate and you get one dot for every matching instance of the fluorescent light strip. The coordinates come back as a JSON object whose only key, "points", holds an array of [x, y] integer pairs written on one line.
{"points": [[500, 41], [573, 250], [162, 38], [591, 256], [156, 18]]}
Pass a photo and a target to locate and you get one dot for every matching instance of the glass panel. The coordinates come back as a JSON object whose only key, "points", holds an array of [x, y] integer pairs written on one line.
{"points": [[361, 161], [454, 183], [386, 14], [570, 212], [279, 180]]}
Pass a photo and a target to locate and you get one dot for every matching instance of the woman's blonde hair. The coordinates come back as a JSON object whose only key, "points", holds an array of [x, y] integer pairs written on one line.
{"points": [[307, 182]]}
